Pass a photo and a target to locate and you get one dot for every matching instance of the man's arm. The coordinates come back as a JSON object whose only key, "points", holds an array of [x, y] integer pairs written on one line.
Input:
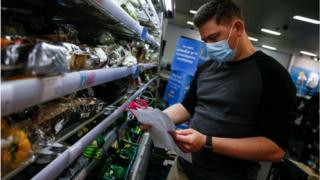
{"points": [[250, 148], [177, 113]]}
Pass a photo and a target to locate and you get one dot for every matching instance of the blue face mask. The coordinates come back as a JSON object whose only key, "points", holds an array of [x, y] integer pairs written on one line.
{"points": [[220, 51]]}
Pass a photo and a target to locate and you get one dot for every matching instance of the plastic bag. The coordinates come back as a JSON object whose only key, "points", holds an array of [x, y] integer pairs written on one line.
{"points": [[47, 59], [83, 59], [39, 59]]}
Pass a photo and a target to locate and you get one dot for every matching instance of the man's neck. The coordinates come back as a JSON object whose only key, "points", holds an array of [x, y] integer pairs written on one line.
{"points": [[245, 49]]}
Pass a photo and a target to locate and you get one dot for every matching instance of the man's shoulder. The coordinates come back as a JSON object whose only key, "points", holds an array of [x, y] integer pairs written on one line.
{"points": [[269, 66], [267, 62]]}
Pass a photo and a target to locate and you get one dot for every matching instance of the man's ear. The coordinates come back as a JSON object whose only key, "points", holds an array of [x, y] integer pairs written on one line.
{"points": [[239, 27]]}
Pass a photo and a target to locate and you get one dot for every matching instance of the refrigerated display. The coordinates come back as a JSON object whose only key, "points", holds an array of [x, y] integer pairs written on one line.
{"points": [[69, 71]]}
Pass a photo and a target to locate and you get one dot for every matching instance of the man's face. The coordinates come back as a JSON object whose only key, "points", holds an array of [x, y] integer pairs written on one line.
{"points": [[212, 32]]}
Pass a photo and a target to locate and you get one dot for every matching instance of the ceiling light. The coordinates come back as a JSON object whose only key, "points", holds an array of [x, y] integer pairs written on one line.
{"points": [[305, 19], [271, 32], [308, 53], [168, 5], [253, 39], [193, 12], [269, 47], [190, 23]]}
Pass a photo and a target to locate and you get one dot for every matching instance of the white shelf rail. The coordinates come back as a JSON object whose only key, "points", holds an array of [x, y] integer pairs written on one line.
{"points": [[17, 95]]}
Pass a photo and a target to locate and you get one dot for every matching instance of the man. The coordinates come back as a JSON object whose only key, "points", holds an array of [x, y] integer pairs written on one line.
{"points": [[241, 103]]}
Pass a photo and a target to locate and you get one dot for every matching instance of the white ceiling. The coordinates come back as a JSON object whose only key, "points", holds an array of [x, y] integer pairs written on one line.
{"points": [[270, 14]]}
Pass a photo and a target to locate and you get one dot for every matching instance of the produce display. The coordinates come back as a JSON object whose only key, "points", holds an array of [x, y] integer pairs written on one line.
{"points": [[94, 150], [47, 59], [40, 39], [117, 164]]}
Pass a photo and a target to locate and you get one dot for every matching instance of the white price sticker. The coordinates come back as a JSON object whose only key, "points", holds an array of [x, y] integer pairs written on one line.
{"points": [[51, 88], [6, 98]]}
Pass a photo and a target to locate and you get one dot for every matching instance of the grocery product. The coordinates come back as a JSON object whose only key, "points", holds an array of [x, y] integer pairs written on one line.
{"points": [[15, 147], [33, 59], [129, 8]]}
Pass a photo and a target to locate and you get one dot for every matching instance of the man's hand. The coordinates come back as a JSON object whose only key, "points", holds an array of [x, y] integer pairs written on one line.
{"points": [[189, 140]]}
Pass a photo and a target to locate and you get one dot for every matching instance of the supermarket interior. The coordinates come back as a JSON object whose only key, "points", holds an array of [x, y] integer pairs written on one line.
{"points": [[160, 89]]}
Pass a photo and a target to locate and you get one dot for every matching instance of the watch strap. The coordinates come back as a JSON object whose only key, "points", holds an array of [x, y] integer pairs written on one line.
{"points": [[208, 145]]}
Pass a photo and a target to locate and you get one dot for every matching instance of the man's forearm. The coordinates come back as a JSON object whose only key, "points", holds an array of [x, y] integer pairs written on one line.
{"points": [[252, 148], [177, 113]]}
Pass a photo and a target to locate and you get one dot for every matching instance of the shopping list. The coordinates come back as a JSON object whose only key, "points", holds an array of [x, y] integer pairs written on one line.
{"points": [[161, 124]]}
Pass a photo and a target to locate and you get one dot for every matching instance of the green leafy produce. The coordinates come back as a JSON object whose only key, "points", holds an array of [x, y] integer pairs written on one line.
{"points": [[129, 8]]}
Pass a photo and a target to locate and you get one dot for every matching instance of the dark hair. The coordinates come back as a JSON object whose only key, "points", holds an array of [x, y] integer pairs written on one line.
{"points": [[220, 10]]}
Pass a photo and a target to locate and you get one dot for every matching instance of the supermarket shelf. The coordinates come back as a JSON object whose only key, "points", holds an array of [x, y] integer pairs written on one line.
{"points": [[155, 15], [69, 131], [52, 170], [20, 94], [20, 168], [165, 75], [109, 139], [62, 136], [152, 40], [140, 166], [111, 8]]}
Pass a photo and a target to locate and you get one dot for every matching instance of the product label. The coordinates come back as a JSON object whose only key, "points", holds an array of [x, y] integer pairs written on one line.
{"points": [[51, 88], [6, 98]]}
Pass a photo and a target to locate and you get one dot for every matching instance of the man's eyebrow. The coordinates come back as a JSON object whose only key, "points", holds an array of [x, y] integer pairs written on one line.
{"points": [[212, 34]]}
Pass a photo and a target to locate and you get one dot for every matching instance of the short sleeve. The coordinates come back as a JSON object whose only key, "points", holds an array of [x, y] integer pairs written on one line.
{"points": [[190, 99], [277, 109]]}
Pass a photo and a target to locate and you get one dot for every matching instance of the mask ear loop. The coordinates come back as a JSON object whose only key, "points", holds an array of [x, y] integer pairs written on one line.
{"points": [[230, 36], [230, 33]]}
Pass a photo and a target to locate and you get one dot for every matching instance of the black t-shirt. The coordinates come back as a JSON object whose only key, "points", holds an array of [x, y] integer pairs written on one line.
{"points": [[251, 97]]}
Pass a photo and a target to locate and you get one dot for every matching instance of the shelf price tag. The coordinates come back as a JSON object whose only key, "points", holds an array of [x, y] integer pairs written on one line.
{"points": [[144, 33], [51, 88], [6, 98], [87, 79]]}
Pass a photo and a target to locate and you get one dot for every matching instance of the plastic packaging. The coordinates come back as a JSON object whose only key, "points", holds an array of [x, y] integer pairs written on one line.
{"points": [[47, 59], [39, 59], [83, 61], [106, 38]]}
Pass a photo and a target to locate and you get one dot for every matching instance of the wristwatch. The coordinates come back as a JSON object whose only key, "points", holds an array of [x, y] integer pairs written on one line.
{"points": [[207, 147]]}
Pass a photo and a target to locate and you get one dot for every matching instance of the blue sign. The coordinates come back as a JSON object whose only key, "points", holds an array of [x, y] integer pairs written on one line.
{"points": [[306, 81], [177, 86], [187, 55]]}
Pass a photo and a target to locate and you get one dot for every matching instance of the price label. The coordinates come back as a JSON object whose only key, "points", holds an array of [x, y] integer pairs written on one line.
{"points": [[144, 33], [6, 98], [51, 88], [87, 79]]}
